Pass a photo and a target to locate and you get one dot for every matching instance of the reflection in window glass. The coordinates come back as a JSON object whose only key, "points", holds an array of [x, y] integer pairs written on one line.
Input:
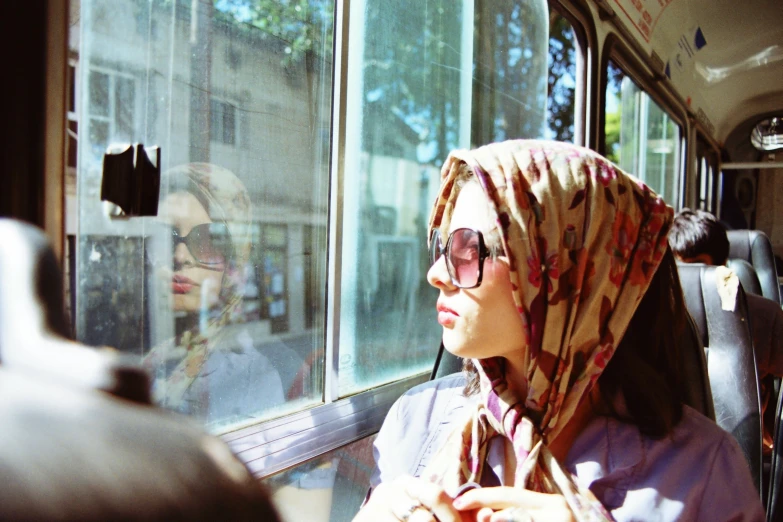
{"points": [[561, 83], [421, 86], [328, 488], [211, 294], [640, 136]]}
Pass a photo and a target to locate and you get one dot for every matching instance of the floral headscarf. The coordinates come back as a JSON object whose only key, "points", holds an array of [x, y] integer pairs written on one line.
{"points": [[583, 240], [226, 201]]}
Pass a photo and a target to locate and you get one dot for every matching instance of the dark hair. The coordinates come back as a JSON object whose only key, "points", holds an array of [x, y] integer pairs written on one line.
{"points": [[696, 232], [645, 369]]}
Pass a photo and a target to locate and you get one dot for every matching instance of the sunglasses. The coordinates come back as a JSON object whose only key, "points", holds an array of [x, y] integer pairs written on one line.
{"points": [[464, 252], [208, 243]]}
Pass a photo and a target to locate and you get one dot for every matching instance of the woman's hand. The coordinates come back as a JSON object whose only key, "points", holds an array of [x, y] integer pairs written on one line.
{"points": [[505, 504], [410, 499]]}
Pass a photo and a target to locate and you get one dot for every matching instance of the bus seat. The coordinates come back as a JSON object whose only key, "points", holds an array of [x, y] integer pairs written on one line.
{"points": [[446, 363], [730, 360], [754, 247], [80, 439], [747, 275], [774, 501]]}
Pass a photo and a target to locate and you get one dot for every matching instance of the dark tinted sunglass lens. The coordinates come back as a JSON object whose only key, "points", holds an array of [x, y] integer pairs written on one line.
{"points": [[464, 253], [209, 243]]}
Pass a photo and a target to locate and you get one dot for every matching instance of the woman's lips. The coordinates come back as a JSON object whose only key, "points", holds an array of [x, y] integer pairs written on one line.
{"points": [[446, 316], [181, 284]]}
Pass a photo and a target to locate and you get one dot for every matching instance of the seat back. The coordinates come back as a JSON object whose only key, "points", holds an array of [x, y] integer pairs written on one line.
{"points": [[775, 499], [446, 363], [754, 247], [731, 363], [747, 276], [80, 439]]}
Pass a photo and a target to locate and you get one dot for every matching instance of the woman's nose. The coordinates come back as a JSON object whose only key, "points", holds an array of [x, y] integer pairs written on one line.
{"points": [[182, 255], [438, 275]]}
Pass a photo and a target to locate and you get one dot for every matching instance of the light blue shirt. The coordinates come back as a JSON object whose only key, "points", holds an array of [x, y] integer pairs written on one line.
{"points": [[696, 473]]}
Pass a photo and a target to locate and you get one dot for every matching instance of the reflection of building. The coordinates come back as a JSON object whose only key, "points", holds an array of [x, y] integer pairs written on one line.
{"points": [[134, 72], [134, 69]]}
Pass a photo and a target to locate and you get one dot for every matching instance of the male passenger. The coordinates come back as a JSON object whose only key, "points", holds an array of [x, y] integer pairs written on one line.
{"points": [[697, 237]]}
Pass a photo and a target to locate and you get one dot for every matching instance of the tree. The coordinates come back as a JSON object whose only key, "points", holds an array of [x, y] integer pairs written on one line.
{"points": [[412, 68], [305, 26], [561, 95], [612, 135]]}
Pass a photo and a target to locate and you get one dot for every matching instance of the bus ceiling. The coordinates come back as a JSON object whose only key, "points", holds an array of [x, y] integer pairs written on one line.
{"points": [[723, 78]]}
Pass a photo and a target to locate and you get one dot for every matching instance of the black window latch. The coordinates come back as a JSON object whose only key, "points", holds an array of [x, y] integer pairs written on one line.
{"points": [[131, 180]]}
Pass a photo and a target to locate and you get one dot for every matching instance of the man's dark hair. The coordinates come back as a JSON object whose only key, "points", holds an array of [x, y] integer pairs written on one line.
{"points": [[696, 232]]}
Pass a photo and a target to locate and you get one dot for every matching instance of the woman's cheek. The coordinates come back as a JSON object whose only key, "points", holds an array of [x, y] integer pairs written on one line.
{"points": [[210, 289]]}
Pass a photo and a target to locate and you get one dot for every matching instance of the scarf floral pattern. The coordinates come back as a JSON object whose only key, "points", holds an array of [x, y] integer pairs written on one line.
{"points": [[583, 240]]}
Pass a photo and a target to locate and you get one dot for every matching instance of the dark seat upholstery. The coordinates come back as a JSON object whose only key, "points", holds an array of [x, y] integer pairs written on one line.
{"points": [[754, 247], [80, 439], [775, 499], [730, 360], [747, 276]]}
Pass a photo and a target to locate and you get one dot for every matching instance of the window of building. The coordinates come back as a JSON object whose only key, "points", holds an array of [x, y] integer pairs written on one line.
{"points": [[222, 122], [111, 109]]}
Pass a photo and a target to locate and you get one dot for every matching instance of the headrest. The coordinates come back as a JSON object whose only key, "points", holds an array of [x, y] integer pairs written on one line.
{"points": [[34, 331], [755, 247], [747, 275], [690, 279], [70, 452]]}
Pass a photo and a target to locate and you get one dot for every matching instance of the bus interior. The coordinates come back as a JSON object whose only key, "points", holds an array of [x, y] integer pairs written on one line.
{"points": [[317, 129]]}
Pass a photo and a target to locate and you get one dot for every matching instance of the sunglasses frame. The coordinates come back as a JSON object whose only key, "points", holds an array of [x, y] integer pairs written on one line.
{"points": [[445, 252], [176, 239]]}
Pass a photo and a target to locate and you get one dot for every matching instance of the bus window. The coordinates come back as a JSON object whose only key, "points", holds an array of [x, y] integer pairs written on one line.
{"points": [[424, 82], [707, 181], [562, 79], [216, 295], [330, 487], [640, 136]]}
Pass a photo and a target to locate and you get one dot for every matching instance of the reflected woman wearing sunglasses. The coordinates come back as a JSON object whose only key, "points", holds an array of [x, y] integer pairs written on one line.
{"points": [[212, 368], [201, 250]]}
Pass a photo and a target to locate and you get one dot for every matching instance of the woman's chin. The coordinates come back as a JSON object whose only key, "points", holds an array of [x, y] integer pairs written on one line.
{"points": [[455, 347], [187, 303]]}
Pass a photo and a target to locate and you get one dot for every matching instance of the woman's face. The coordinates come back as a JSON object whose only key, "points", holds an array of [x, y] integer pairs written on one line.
{"points": [[193, 284], [480, 322]]}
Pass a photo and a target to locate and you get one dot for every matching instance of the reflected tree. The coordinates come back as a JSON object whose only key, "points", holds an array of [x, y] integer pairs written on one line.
{"points": [[561, 84], [304, 26]]}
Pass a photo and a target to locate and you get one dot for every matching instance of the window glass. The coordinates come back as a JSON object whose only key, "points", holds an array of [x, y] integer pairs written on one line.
{"points": [[421, 82], [561, 82], [217, 293], [703, 175], [640, 136], [328, 488]]}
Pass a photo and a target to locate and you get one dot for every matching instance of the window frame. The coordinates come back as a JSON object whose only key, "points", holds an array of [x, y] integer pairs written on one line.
{"points": [[275, 445], [707, 154], [578, 15], [616, 51], [271, 446]]}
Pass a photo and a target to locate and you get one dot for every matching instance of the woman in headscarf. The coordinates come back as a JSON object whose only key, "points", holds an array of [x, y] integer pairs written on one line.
{"points": [[557, 287], [209, 369]]}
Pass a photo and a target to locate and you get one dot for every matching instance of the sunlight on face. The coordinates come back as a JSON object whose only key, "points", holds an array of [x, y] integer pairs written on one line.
{"points": [[193, 285], [478, 322]]}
